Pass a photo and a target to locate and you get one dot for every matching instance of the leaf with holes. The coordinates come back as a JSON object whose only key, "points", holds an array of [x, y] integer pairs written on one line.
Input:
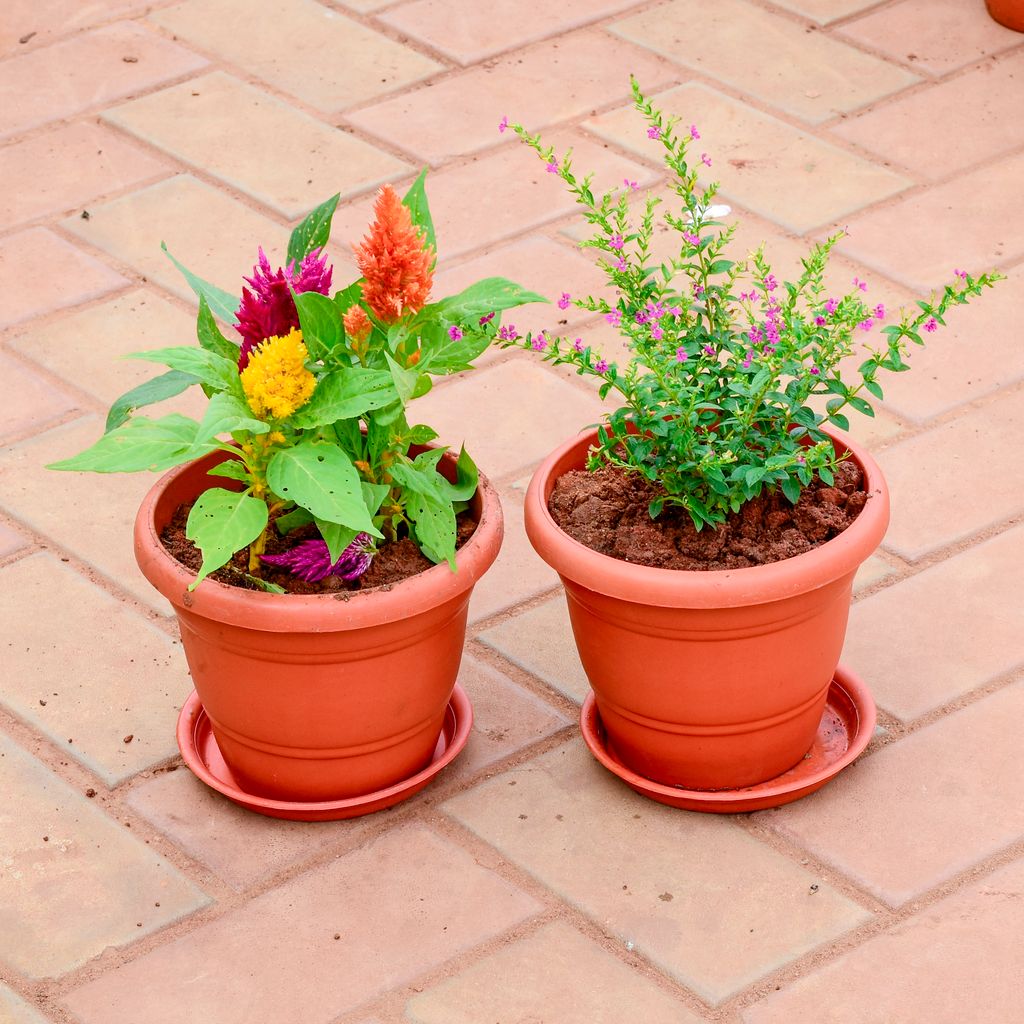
{"points": [[221, 523], [313, 231], [434, 522], [345, 393], [321, 478]]}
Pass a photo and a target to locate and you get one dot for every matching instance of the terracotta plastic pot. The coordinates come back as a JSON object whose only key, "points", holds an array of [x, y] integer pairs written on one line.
{"points": [[327, 696], [708, 680], [1008, 12]]}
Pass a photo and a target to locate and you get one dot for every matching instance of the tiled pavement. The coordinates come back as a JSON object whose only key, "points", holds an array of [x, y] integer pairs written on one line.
{"points": [[526, 885]]}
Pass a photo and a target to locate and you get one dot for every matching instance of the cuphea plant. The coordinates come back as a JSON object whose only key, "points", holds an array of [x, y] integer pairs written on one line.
{"points": [[717, 394], [314, 399]]}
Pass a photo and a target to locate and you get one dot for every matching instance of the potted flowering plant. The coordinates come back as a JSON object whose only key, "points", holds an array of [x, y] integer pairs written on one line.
{"points": [[318, 551], [708, 530]]}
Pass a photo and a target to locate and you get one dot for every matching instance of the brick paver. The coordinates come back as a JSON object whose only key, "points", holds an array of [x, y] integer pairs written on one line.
{"points": [[526, 884]]}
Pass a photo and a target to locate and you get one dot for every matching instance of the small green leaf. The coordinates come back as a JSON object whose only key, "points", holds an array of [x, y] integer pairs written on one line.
{"points": [[320, 321], [209, 334], [492, 294], [374, 495], [345, 393], [140, 444], [874, 387], [434, 523], [293, 520], [421, 434], [405, 379], [861, 405], [226, 414], [313, 231], [467, 478], [338, 537], [233, 469], [222, 304], [167, 385], [210, 368], [348, 297], [270, 588], [320, 477], [791, 489], [419, 209], [221, 523], [721, 266]]}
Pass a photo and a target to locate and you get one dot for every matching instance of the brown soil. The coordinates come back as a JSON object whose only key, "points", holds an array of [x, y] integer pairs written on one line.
{"points": [[395, 560], [607, 511]]}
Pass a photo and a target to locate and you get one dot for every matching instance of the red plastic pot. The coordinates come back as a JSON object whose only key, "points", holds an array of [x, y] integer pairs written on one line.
{"points": [[1008, 12], [708, 680], [328, 696]]}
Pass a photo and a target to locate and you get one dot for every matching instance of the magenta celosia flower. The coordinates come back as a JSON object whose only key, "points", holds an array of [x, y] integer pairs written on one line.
{"points": [[563, 302], [267, 309], [455, 333], [311, 560]]}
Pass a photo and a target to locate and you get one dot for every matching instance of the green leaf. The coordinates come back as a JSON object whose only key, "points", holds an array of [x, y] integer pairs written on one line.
{"points": [[840, 420], [791, 489], [874, 387], [416, 202], [345, 393], [826, 475], [313, 231], [320, 477], [224, 415], [421, 434], [293, 520], [140, 444], [348, 297], [721, 266], [221, 523], [320, 321], [421, 476], [210, 368], [234, 469], [222, 303], [405, 380], [861, 405], [209, 334], [442, 354], [374, 495], [338, 537], [270, 588], [492, 294], [434, 523], [167, 385], [467, 478]]}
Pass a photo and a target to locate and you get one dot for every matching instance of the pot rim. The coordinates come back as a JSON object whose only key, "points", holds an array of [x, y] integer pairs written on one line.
{"points": [[282, 613], [693, 588]]}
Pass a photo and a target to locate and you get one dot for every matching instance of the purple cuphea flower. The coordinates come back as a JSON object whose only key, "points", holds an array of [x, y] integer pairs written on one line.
{"points": [[931, 324], [577, 345], [503, 124], [692, 237], [694, 134], [654, 132], [508, 332], [880, 311], [539, 343], [552, 167], [601, 366], [267, 308], [858, 283], [705, 159], [311, 560], [615, 242], [831, 306], [563, 302], [487, 318], [614, 318], [820, 321], [455, 333], [680, 354]]}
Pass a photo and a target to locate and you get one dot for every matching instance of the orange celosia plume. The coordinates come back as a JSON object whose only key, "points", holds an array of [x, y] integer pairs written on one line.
{"points": [[357, 323], [394, 260]]}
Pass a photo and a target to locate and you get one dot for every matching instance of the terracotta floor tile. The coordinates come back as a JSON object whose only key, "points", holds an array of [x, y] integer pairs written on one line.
{"points": [[40, 272], [943, 633], [496, 412], [966, 966], [518, 573], [66, 168], [85, 347], [180, 211], [922, 809], [51, 503], [68, 77], [812, 76], [937, 35], [919, 239], [555, 974], [980, 110], [778, 171], [11, 541], [737, 911], [221, 125], [381, 900], [26, 18], [84, 694], [87, 886], [825, 11], [324, 58], [546, 84], [467, 219], [468, 32], [540, 641], [942, 483], [29, 401], [14, 1009]]}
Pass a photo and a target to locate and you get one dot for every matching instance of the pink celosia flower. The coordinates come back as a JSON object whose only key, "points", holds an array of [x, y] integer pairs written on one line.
{"points": [[311, 560]]}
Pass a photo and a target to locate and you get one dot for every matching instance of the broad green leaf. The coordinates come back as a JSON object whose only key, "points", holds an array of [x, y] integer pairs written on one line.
{"points": [[434, 523], [293, 520], [345, 393], [313, 231], [492, 294], [442, 354], [167, 385], [861, 405], [338, 537], [416, 201], [221, 523], [140, 444], [210, 368], [404, 379], [320, 477], [233, 469], [209, 334], [224, 415], [320, 322], [467, 478], [348, 297], [222, 303], [421, 476], [374, 495], [874, 387]]}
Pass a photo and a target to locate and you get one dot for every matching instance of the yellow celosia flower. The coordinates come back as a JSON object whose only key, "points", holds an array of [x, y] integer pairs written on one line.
{"points": [[276, 381]]}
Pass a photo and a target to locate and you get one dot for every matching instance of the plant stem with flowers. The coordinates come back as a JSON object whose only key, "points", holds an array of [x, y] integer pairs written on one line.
{"points": [[311, 406], [716, 397]]}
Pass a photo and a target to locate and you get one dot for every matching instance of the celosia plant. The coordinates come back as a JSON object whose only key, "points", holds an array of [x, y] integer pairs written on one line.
{"points": [[312, 404], [716, 397]]}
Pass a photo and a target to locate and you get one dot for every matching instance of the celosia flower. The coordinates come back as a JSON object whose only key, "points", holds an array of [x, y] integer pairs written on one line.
{"points": [[601, 366], [357, 323], [276, 381], [931, 325], [395, 260], [455, 333], [311, 560], [563, 302], [267, 308]]}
